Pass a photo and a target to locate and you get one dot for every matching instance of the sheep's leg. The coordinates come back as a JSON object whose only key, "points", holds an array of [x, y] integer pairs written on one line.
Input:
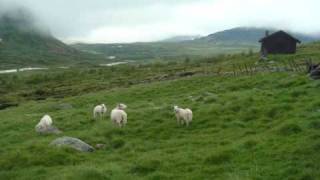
{"points": [[178, 120]]}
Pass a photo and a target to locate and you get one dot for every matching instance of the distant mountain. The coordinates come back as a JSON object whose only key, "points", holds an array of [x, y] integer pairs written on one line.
{"points": [[25, 42], [181, 38], [248, 36]]}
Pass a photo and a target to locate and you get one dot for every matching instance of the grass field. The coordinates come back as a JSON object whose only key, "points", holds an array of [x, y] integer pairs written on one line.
{"points": [[265, 126], [243, 128], [165, 51]]}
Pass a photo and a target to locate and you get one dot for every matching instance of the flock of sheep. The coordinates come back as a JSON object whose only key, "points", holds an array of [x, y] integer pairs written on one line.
{"points": [[119, 116]]}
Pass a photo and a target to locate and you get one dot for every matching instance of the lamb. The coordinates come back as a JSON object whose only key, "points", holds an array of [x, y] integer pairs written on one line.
{"points": [[45, 123], [99, 110], [119, 116], [183, 115], [45, 126]]}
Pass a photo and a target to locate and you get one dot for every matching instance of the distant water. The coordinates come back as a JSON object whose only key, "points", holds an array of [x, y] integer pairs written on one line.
{"points": [[113, 64], [8, 71], [32, 69], [21, 70]]}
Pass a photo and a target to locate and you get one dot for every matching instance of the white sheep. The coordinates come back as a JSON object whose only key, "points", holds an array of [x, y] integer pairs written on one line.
{"points": [[183, 115], [119, 116], [45, 122], [99, 110]]}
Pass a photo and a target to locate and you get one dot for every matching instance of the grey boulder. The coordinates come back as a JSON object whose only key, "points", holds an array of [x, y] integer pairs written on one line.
{"points": [[47, 130], [74, 143]]}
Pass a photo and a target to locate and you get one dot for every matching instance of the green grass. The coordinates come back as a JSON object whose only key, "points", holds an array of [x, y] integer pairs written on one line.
{"points": [[165, 51], [264, 126], [250, 127], [24, 44]]}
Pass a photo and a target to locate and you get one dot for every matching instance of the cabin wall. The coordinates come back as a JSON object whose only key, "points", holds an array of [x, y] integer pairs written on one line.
{"points": [[279, 45]]}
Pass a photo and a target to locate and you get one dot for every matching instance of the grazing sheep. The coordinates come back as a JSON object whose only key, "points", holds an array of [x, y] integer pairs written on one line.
{"points": [[45, 126], [99, 110], [45, 122], [183, 115], [119, 116]]}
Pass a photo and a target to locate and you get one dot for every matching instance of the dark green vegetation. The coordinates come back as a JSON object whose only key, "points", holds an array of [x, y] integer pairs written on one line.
{"points": [[243, 35], [264, 126], [163, 51], [231, 41], [24, 43]]}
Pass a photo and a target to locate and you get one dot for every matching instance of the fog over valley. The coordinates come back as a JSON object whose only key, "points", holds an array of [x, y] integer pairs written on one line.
{"points": [[111, 21]]}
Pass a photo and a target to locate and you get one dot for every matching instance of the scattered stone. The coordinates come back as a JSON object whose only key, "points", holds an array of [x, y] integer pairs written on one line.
{"points": [[313, 70], [47, 130], [315, 74], [74, 143], [184, 74], [100, 146]]}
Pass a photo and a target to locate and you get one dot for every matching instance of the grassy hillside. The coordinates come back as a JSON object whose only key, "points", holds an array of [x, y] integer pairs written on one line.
{"points": [[230, 41], [263, 126], [248, 35], [26, 43], [164, 51], [55, 83]]}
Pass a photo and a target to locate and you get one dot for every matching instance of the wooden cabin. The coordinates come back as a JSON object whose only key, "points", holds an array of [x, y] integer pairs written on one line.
{"points": [[278, 43]]}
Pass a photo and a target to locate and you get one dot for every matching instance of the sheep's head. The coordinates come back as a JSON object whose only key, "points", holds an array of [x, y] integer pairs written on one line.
{"points": [[175, 108], [104, 106], [121, 106], [46, 116]]}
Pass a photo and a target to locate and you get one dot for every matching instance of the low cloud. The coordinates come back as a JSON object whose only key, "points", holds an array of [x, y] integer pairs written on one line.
{"points": [[100, 21]]}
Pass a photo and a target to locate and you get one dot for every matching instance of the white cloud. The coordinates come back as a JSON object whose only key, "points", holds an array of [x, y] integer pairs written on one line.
{"points": [[144, 20]]}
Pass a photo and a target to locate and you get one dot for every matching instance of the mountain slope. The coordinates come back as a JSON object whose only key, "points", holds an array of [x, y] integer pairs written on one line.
{"points": [[245, 127], [260, 126], [26, 43], [247, 36], [225, 42]]}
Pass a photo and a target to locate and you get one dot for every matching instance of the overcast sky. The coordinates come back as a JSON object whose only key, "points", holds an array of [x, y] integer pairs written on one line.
{"points": [[108, 21]]}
